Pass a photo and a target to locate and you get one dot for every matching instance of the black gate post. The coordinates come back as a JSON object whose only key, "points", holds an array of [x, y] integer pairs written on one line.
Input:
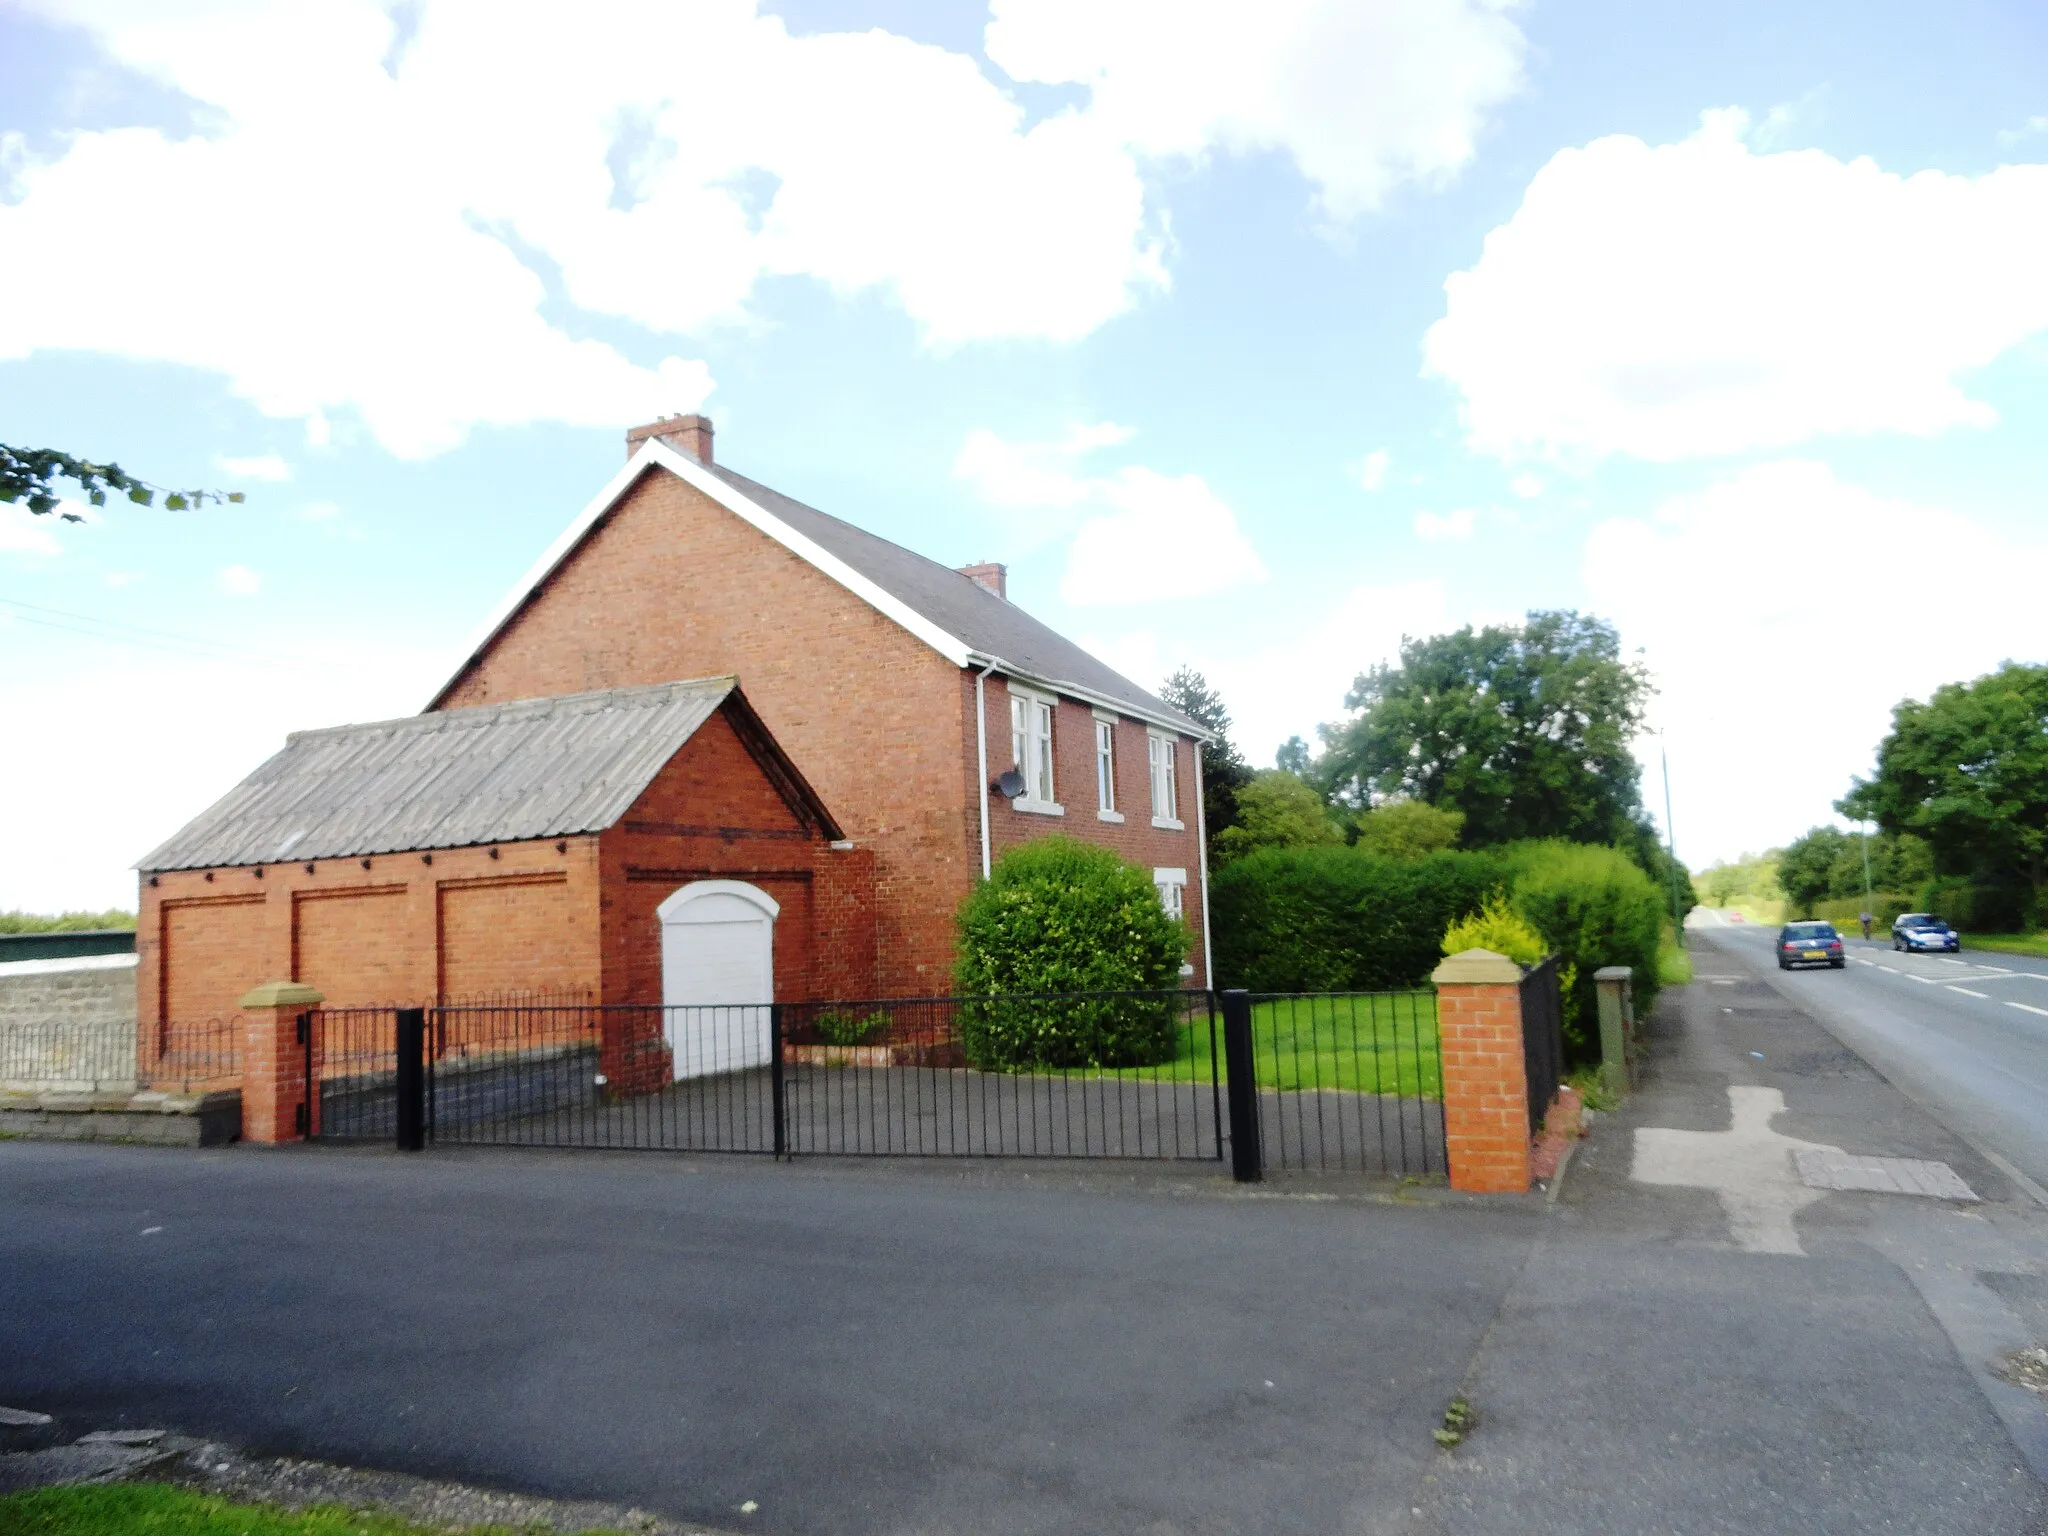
{"points": [[1247, 1155], [775, 1084], [309, 1108], [411, 1083]]}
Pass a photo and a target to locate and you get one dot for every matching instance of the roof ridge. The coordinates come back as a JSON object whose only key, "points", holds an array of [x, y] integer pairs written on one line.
{"points": [[469, 715]]}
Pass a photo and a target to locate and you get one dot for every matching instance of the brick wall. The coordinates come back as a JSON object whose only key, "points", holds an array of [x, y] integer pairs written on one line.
{"points": [[671, 585], [1485, 1085], [1074, 785]]}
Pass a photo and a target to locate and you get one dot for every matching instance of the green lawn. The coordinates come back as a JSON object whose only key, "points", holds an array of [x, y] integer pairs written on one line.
{"points": [[2008, 943], [1363, 1042], [152, 1509]]}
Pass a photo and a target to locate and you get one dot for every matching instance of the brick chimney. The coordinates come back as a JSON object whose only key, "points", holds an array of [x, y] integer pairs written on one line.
{"points": [[688, 435], [991, 577]]}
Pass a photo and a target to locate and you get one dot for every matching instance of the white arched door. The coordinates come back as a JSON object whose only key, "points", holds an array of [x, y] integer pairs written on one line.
{"points": [[717, 976]]}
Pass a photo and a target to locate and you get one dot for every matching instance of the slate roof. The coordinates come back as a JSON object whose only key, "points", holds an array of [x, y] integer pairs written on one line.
{"points": [[959, 605], [494, 773]]}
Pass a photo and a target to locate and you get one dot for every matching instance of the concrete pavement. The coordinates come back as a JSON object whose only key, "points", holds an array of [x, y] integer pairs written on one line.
{"points": [[1668, 1362]]}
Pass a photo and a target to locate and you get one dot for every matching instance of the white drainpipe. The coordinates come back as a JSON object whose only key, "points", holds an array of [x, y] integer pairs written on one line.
{"points": [[981, 758], [1202, 846]]}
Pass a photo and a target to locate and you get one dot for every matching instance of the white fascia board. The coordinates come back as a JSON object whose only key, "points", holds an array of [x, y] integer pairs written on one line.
{"points": [[655, 454], [1088, 696]]}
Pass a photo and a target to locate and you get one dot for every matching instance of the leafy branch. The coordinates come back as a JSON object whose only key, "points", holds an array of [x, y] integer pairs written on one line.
{"points": [[30, 474]]}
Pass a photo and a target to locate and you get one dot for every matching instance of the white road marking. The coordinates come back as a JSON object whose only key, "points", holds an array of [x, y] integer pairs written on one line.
{"points": [[1925, 981], [1861, 961], [1968, 993], [2029, 1008], [1748, 1167], [1892, 968]]}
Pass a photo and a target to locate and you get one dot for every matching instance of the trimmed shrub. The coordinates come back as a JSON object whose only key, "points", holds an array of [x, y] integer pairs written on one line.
{"points": [[1498, 927], [1336, 919], [1057, 916], [1594, 907], [842, 1026], [1973, 908]]}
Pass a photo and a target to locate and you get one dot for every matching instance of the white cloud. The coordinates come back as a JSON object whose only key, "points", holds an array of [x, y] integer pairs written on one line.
{"points": [[1361, 97], [1699, 298], [238, 581], [319, 512], [267, 467], [2027, 130], [1785, 613], [24, 533], [1138, 535], [1371, 471], [1445, 527], [374, 236], [1526, 485]]}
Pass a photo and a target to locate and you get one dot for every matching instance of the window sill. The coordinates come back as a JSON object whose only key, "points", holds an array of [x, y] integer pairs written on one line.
{"points": [[1038, 807], [1116, 816], [1169, 824]]}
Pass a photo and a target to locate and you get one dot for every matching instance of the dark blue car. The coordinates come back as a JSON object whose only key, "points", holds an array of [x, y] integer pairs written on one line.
{"points": [[1809, 944]]}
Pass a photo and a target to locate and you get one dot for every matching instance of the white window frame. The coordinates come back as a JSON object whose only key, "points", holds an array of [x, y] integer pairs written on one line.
{"points": [[1162, 759], [1172, 885], [1033, 745], [1105, 766]]}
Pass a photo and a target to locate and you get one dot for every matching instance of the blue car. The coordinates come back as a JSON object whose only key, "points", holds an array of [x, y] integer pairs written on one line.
{"points": [[1809, 944], [1923, 933]]}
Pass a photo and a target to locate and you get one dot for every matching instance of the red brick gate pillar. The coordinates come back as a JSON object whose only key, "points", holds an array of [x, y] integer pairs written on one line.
{"points": [[274, 1060], [1486, 1088]]}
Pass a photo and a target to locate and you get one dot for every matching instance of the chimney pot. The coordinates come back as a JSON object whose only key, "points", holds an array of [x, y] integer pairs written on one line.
{"points": [[688, 435], [991, 577]]}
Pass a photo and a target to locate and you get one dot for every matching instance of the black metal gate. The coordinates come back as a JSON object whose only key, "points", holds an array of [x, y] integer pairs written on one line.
{"points": [[1542, 1038], [1329, 1082]]}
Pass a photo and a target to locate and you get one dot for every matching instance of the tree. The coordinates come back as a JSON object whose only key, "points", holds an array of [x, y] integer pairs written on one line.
{"points": [[1753, 877], [1968, 771], [1224, 770], [1408, 829], [1275, 810], [1806, 869], [1522, 728], [31, 475], [1293, 757]]}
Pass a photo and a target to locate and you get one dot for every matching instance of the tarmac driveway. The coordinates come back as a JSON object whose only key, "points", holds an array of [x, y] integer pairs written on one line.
{"points": [[876, 1349]]}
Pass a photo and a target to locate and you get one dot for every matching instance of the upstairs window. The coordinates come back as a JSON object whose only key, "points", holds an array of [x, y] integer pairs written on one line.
{"points": [[1105, 765], [1172, 886], [1165, 788], [1031, 742]]}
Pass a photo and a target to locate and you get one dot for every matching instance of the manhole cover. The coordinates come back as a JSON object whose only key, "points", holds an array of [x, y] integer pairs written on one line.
{"points": [[1820, 1168]]}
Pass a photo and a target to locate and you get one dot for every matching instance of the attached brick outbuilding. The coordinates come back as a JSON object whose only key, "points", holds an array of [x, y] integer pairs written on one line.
{"points": [[548, 848]]}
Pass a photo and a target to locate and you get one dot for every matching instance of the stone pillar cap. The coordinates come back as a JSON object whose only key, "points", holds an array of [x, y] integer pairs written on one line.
{"points": [[1614, 973], [1477, 967], [281, 994]]}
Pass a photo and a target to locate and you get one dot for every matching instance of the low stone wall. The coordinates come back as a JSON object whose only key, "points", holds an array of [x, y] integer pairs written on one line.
{"points": [[68, 1023], [164, 1119]]}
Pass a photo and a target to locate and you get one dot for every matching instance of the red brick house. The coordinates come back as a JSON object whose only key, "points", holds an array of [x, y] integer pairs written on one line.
{"points": [[902, 688], [648, 844]]}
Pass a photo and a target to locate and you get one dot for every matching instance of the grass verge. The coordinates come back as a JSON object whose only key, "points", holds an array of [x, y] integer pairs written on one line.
{"points": [[1363, 1042], [2008, 943], [154, 1509], [1674, 965]]}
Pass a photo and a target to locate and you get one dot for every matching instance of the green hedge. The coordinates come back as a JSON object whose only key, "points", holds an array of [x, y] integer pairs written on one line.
{"points": [[1335, 919], [1338, 920], [1060, 916], [1595, 907], [1970, 907], [1883, 905]]}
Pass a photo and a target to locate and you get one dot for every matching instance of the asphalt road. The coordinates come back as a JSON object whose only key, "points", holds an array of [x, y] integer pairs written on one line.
{"points": [[883, 1349], [1966, 1035]]}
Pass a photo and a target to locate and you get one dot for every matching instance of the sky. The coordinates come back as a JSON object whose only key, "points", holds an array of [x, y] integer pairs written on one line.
{"points": [[1251, 339]]}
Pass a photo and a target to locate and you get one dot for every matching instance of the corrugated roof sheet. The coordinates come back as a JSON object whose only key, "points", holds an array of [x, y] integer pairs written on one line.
{"points": [[957, 604], [450, 779]]}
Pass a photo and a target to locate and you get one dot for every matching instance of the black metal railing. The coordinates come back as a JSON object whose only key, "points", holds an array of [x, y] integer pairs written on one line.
{"points": [[117, 1055], [1326, 1081], [1542, 1038], [1349, 1081]]}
